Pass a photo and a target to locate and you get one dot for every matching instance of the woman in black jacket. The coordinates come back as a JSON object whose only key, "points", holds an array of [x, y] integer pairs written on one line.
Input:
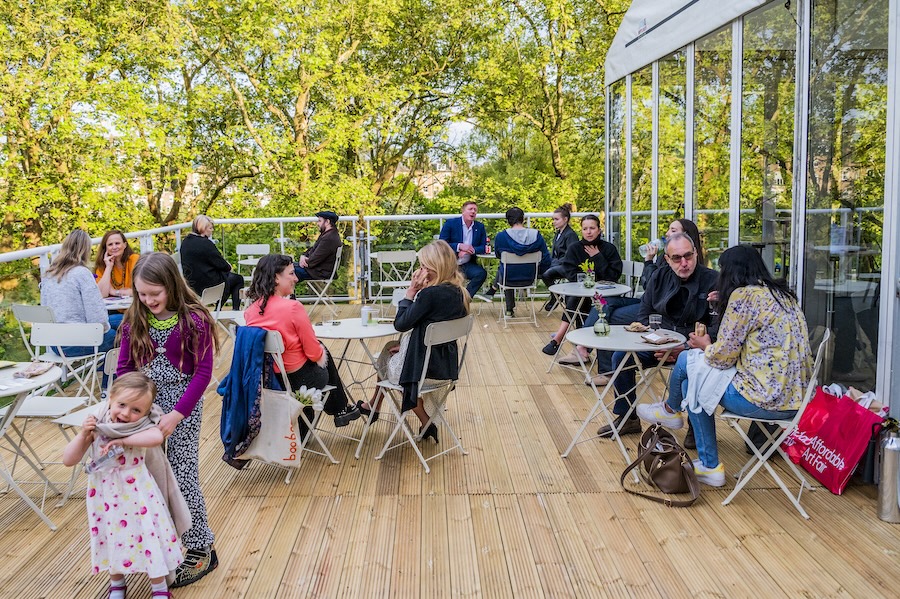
{"points": [[204, 266], [437, 294], [564, 238]]}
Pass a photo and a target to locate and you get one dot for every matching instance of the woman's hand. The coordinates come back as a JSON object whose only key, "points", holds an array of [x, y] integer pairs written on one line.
{"points": [[651, 252], [419, 281], [699, 341], [712, 296], [592, 250], [109, 260], [168, 422]]}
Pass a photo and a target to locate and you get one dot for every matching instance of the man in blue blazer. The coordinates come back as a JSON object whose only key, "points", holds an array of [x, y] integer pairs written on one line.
{"points": [[467, 237]]}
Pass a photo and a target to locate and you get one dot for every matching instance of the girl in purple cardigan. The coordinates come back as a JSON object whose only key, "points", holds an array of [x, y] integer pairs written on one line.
{"points": [[168, 335]]}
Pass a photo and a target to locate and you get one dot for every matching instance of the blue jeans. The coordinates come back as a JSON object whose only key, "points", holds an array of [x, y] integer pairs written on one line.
{"points": [[624, 383], [115, 319], [476, 275], [301, 273]]}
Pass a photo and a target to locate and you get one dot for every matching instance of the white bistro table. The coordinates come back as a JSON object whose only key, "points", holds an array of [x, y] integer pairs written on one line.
{"points": [[564, 290], [348, 330], [117, 303], [19, 390], [623, 341]]}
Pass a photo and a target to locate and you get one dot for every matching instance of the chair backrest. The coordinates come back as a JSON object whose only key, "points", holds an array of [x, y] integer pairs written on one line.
{"points": [[444, 332], [59, 334], [176, 256], [251, 249], [506, 258], [397, 295], [31, 314], [337, 262], [391, 264], [110, 364], [813, 378], [275, 345], [212, 295]]}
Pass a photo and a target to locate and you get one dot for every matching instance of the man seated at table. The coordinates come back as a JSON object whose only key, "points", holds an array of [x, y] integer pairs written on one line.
{"points": [[317, 262], [679, 294], [467, 237], [519, 240]]}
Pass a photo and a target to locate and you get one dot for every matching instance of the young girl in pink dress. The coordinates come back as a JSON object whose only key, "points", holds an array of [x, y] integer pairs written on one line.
{"points": [[130, 488]]}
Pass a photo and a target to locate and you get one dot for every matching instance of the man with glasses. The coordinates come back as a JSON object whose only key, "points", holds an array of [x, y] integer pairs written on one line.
{"points": [[679, 294]]}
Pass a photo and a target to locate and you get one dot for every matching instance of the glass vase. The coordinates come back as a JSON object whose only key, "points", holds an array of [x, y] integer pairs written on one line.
{"points": [[589, 280], [601, 327]]}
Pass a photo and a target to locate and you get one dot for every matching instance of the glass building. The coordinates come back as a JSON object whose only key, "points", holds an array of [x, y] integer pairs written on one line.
{"points": [[773, 124]]}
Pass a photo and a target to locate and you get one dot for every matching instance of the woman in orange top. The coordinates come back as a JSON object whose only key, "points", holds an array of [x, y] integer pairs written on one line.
{"points": [[306, 360], [114, 264]]}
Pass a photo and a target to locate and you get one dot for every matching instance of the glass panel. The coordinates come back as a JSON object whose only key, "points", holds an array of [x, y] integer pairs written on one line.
{"points": [[845, 182], [616, 220], [672, 111], [641, 158], [767, 134], [712, 139]]}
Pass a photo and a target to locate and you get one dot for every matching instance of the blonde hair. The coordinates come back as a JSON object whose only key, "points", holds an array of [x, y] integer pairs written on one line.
{"points": [[200, 221], [138, 383], [440, 258], [75, 251]]}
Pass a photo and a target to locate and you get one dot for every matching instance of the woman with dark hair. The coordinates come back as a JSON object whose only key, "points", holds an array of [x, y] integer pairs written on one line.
{"points": [[306, 360], [604, 260], [761, 359], [563, 239], [114, 264], [204, 266]]}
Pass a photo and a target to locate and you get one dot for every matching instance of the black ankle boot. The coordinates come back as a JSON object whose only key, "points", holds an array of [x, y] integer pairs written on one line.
{"points": [[430, 432]]}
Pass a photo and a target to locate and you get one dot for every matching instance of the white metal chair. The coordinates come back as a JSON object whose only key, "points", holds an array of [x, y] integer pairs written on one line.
{"points": [[773, 443], [395, 269], [319, 287], [212, 299], [59, 335], [274, 345], [433, 393], [524, 291], [176, 256], [248, 255]]}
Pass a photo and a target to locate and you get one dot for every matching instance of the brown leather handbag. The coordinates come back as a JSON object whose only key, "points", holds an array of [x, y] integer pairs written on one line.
{"points": [[665, 466]]}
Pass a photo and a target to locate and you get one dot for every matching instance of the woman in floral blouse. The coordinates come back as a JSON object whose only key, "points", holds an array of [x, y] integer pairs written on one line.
{"points": [[762, 348]]}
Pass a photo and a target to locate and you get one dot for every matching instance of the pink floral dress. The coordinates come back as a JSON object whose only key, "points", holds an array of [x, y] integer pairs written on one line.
{"points": [[131, 529]]}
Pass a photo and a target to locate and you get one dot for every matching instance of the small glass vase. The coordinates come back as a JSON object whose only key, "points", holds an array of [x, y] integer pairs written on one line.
{"points": [[601, 327], [589, 280]]}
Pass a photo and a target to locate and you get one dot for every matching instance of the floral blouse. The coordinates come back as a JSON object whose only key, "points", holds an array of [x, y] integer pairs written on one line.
{"points": [[769, 345]]}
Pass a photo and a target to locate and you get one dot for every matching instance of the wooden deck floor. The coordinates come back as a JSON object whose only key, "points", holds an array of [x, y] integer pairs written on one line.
{"points": [[510, 519]]}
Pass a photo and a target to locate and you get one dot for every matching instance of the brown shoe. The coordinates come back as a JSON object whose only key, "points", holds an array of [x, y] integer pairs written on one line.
{"points": [[599, 380], [631, 427]]}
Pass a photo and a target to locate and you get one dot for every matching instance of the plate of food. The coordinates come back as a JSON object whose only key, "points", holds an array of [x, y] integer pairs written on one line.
{"points": [[636, 327]]}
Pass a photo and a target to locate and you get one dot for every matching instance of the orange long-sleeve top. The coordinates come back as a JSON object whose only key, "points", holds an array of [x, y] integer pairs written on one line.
{"points": [[289, 318]]}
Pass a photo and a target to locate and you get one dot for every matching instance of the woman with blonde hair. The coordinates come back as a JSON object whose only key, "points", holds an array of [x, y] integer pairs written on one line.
{"points": [[436, 294], [204, 266], [68, 288]]}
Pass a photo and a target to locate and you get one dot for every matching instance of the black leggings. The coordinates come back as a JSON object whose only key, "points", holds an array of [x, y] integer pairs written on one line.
{"points": [[233, 285], [313, 375]]}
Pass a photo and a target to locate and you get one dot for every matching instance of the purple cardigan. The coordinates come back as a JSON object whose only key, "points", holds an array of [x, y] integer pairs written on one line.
{"points": [[201, 370]]}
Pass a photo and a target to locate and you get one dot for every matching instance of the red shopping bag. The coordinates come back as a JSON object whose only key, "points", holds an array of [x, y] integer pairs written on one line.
{"points": [[830, 438]]}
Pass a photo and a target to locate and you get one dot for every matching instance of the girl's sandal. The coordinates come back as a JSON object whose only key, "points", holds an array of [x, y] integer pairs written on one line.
{"points": [[118, 587], [161, 594]]}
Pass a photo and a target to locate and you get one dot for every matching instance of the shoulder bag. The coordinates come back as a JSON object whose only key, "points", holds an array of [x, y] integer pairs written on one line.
{"points": [[665, 466]]}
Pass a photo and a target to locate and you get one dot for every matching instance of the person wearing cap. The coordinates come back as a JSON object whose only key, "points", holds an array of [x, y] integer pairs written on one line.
{"points": [[317, 262]]}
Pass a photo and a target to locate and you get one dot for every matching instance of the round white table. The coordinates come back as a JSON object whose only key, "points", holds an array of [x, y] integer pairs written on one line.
{"points": [[20, 389], [349, 329], [631, 343], [114, 304]]}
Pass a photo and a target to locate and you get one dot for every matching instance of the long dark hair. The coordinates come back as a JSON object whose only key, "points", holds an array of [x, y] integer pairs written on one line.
{"points": [[690, 229], [263, 284], [740, 266], [99, 263]]}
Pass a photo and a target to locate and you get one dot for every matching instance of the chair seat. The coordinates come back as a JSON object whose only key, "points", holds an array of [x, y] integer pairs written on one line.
{"points": [[249, 261], [732, 415], [40, 406], [77, 417]]}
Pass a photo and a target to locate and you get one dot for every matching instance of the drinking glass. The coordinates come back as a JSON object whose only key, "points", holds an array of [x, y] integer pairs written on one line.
{"points": [[580, 277], [655, 321]]}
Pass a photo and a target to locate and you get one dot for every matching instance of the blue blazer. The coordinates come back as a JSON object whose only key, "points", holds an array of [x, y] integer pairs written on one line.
{"points": [[452, 233]]}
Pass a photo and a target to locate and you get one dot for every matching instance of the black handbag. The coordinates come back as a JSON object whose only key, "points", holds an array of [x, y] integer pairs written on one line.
{"points": [[664, 466]]}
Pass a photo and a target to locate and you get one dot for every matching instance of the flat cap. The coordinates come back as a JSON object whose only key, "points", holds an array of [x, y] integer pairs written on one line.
{"points": [[328, 214]]}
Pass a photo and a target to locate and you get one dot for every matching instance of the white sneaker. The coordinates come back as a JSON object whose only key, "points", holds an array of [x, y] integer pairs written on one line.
{"points": [[656, 413], [714, 477], [484, 298]]}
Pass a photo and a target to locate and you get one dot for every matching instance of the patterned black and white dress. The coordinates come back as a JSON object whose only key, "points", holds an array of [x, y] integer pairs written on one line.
{"points": [[183, 446]]}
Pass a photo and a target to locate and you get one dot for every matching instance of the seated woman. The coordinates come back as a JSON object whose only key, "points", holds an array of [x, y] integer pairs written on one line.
{"points": [[68, 288], [306, 360], [563, 238], [762, 348], [113, 267], [436, 294], [204, 266], [605, 262]]}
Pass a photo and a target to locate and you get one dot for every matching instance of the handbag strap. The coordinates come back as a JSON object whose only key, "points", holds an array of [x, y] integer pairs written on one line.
{"points": [[687, 467]]}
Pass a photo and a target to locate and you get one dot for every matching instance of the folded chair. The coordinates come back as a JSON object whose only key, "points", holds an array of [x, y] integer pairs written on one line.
{"points": [[523, 291], [319, 287], [433, 393], [248, 255], [773, 443], [275, 346], [395, 270]]}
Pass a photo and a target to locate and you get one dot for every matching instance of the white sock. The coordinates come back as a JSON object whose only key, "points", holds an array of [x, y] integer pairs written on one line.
{"points": [[120, 594], [159, 586]]}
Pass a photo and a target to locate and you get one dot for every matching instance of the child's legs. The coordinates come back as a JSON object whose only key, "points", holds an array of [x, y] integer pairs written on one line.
{"points": [[182, 449]]}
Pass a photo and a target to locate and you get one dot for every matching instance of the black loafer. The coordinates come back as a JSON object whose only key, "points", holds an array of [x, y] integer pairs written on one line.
{"points": [[551, 348], [364, 412], [689, 441]]}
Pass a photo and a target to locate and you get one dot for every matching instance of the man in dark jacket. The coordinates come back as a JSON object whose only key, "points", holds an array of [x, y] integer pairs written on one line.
{"points": [[680, 295], [317, 262], [519, 240]]}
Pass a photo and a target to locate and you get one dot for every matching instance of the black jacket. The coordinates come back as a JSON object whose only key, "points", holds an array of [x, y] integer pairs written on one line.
{"points": [[202, 263], [320, 257], [433, 304], [681, 303], [607, 264], [562, 241]]}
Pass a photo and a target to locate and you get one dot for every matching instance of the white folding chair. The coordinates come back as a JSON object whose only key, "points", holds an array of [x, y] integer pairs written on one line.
{"points": [[433, 393], [773, 443], [176, 256], [212, 299], [32, 314], [395, 269], [248, 255], [523, 291], [319, 287], [275, 346], [59, 335]]}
